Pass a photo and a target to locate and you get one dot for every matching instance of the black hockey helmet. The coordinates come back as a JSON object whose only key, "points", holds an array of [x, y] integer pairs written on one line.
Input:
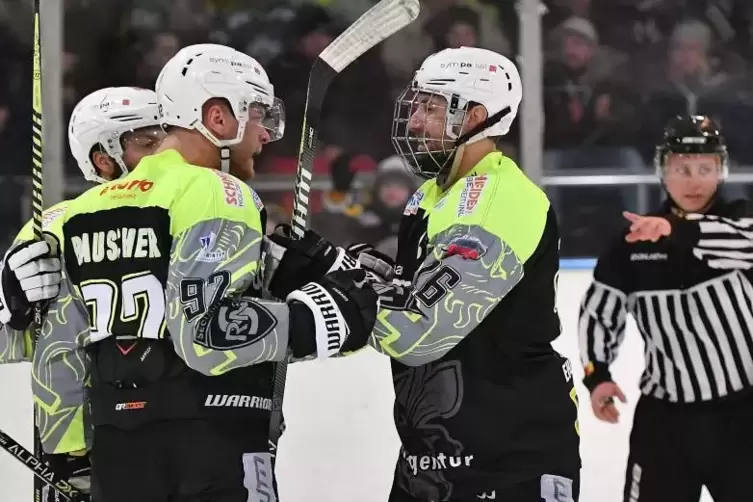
{"points": [[692, 134]]}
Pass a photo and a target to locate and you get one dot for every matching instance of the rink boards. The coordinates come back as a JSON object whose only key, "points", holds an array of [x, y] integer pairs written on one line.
{"points": [[341, 446]]}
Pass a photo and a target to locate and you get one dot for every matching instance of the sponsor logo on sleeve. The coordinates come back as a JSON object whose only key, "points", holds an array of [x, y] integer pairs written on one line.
{"points": [[413, 204], [467, 247], [257, 200], [207, 253]]}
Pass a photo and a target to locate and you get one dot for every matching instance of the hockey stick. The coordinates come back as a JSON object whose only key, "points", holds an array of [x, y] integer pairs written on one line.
{"points": [[381, 21], [41, 493], [42, 472]]}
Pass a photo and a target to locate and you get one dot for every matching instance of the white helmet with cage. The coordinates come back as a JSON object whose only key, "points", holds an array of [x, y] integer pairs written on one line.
{"points": [[198, 73], [456, 78], [102, 117]]}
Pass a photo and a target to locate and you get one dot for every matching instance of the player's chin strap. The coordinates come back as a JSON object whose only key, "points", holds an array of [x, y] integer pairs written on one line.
{"points": [[447, 175], [225, 159], [224, 150]]}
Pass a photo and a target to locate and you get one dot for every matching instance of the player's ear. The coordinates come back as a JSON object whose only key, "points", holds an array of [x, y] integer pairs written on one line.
{"points": [[218, 118], [104, 164], [475, 115]]}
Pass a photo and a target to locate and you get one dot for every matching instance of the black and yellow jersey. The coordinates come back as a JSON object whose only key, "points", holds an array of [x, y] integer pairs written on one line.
{"points": [[482, 398], [59, 371], [169, 260], [174, 251]]}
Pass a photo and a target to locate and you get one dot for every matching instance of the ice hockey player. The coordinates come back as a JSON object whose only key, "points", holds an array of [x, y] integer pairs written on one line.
{"points": [[485, 407], [109, 131], [684, 273], [167, 264]]}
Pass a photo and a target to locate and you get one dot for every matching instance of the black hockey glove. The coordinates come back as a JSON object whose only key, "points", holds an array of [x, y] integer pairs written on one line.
{"points": [[332, 316], [30, 274], [375, 261], [290, 262]]}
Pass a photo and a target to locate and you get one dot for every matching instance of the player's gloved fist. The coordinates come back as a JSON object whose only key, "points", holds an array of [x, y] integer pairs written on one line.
{"points": [[291, 262], [339, 310], [374, 261], [30, 274]]}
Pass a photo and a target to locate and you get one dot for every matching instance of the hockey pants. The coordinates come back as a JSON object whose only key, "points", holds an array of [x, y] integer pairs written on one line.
{"points": [[177, 461]]}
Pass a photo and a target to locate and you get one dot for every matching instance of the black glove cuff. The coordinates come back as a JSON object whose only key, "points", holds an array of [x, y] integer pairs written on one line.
{"points": [[302, 333], [21, 319], [19, 308], [596, 373]]}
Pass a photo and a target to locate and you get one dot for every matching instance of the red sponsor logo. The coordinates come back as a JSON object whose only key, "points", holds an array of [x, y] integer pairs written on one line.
{"points": [[133, 405], [471, 194], [467, 247], [232, 188], [128, 186]]}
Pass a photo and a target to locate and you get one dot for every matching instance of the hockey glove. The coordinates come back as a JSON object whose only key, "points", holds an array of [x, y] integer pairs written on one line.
{"points": [[290, 263], [30, 274], [374, 261], [332, 316]]}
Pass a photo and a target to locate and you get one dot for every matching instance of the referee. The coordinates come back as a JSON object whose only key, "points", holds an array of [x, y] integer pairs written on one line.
{"points": [[684, 273]]}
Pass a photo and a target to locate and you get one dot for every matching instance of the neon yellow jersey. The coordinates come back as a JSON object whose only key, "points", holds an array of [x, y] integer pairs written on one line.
{"points": [[174, 251], [482, 400], [460, 253], [59, 374]]}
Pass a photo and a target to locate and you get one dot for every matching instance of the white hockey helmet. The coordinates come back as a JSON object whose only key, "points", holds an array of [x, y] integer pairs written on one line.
{"points": [[102, 117], [463, 76], [201, 72]]}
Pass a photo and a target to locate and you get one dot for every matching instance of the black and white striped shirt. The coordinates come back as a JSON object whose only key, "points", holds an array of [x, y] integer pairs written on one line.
{"points": [[692, 298]]}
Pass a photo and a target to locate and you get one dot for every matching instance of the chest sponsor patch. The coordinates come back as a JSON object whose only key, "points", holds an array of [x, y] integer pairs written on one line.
{"points": [[471, 194]]}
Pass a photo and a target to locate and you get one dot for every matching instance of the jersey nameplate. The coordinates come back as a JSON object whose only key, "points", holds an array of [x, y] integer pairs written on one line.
{"points": [[112, 245]]}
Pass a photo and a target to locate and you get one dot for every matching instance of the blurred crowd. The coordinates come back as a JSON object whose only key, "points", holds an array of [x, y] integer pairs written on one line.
{"points": [[614, 72]]}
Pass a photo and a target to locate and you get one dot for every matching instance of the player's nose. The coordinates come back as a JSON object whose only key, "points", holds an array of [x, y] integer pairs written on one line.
{"points": [[264, 136], [416, 122]]}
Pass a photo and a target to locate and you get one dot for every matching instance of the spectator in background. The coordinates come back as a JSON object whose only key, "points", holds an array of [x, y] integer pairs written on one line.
{"points": [[374, 216], [15, 107], [404, 51], [163, 45], [357, 111], [586, 105], [694, 78], [590, 122], [455, 27], [260, 34]]}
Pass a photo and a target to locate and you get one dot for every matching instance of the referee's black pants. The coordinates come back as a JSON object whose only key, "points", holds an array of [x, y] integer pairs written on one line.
{"points": [[677, 449]]}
